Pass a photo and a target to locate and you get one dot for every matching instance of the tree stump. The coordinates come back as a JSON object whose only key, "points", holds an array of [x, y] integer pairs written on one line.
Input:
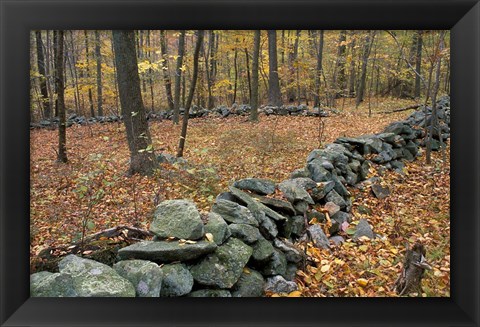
{"points": [[414, 266]]}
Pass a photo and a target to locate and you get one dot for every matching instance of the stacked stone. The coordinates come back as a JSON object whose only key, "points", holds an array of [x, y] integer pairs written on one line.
{"points": [[244, 246]]}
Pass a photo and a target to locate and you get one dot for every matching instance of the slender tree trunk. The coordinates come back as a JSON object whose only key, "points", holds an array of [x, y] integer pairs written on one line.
{"points": [[183, 135], [150, 72], [211, 67], [367, 47], [339, 81], [292, 61], [274, 95], [318, 71], [166, 73], [50, 72], [352, 77], [117, 100], [254, 96], [98, 56], [62, 128], [45, 101], [178, 76], [87, 55], [235, 67], [249, 78], [142, 156], [418, 63], [434, 126], [75, 73]]}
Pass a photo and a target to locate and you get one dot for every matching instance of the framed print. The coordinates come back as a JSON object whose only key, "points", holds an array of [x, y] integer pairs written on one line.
{"points": [[141, 57]]}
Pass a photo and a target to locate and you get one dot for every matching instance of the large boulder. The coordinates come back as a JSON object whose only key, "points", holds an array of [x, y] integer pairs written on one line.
{"points": [[223, 268], [257, 185], [177, 280], [217, 226], [250, 284], [177, 218], [164, 251], [47, 284], [146, 276], [233, 212], [94, 279]]}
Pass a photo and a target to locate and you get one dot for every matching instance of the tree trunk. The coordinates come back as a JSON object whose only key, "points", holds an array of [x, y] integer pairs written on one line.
{"points": [[418, 63], [434, 126], [98, 56], [274, 95], [87, 77], [254, 96], [60, 87], [318, 71], [211, 67], [47, 110], [142, 157], [178, 76], [236, 75], [352, 77], [292, 61], [183, 135], [165, 71], [339, 81], [367, 47], [413, 269]]}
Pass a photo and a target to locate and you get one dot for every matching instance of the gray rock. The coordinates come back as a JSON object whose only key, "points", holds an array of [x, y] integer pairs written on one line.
{"points": [[177, 218], [339, 187], [364, 169], [337, 220], [300, 207], [334, 197], [267, 226], [291, 272], [319, 216], [223, 268], [363, 229], [304, 183], [297, 225], [355, 166], [337, 240], [250, 284], [318, 172], [217, 226], [283, 207], [246, 233], [292, 254], [163, 251], [233, 212], [301, 172], [332, 208], [210, 293], [278, 284], [293, 192], [146, 276], [94, 279], [412, 148], [277, 265], [380, 191], [177, 280], [226, 196], [257, 185], [318, 236], [47, 284], [262, 251], [398, 166], [364, 210], [321, 190], [255, 205]]}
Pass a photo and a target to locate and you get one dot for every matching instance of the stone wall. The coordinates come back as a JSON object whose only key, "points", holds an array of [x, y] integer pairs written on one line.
{"points": [[245, 245]]}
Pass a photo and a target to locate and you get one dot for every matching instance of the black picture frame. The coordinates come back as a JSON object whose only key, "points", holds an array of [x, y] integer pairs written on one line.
{"points": [[19, 17]]}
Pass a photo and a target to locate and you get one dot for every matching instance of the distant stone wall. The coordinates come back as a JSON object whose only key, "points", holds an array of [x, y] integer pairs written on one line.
{"points": [[245, 245]]}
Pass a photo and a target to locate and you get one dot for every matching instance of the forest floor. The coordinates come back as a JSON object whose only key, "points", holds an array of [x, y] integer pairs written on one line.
{"points": [[93, 185]]}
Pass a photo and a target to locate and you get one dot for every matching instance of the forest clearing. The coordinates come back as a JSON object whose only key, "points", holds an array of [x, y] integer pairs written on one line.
{"points": [[387, 131]]}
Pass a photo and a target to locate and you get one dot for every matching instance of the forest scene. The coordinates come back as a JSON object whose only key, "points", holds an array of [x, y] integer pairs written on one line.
{"points": [[239, 163]]}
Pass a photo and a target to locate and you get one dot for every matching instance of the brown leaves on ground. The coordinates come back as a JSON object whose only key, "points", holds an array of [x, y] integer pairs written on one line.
{"points": [[219, 151], [417, 210]]}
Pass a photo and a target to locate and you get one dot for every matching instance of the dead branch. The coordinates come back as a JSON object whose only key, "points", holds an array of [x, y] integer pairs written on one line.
{"points": [[414, 266], [413, 106]]}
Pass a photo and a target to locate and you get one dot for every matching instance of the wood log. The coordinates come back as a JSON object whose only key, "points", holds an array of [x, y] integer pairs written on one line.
{"points": [[414, 106], [414, 266]]}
